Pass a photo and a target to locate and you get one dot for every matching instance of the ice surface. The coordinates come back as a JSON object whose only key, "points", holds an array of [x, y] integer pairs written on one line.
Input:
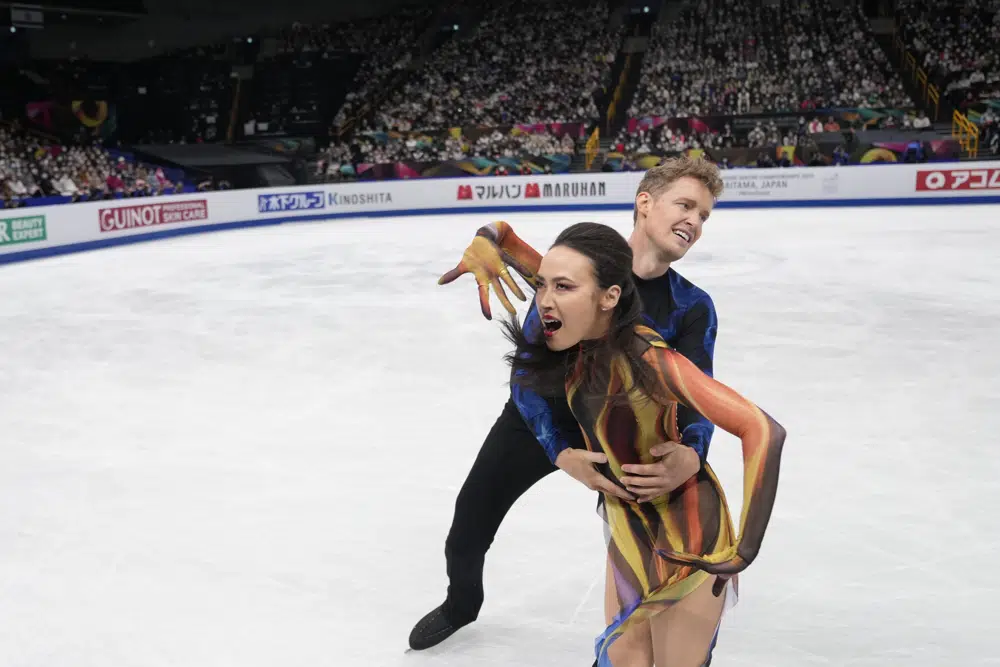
{"points": [[244, 448]]}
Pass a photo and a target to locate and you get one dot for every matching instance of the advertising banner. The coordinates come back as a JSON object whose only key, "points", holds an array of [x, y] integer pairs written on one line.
{"points": [[148, 215], [63, 228], [944, 180], [22, 230]]}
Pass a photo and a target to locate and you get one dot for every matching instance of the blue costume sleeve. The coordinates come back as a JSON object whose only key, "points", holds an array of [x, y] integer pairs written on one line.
{"points": [[696, 341], [535, 410]]}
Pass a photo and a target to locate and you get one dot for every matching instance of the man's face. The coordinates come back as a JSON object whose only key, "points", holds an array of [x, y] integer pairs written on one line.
{"points": [[673, 221]]}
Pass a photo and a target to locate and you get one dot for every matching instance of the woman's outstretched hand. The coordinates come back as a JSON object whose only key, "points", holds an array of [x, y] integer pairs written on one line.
{"points": [[494, 248], [484, 260]]}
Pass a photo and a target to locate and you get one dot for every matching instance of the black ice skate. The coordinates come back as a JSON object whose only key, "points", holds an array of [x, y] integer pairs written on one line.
{"points": [[433, 629]]}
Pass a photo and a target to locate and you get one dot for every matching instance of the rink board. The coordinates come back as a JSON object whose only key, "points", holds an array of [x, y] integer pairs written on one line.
{"points": [[35, 232]]}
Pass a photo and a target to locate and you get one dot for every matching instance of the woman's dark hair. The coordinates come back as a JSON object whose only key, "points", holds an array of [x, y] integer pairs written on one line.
{"points": [[534, 365]]}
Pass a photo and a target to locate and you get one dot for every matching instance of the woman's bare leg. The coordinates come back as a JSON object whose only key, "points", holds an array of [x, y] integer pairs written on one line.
{"points": [[682, 635], [635, 647]]}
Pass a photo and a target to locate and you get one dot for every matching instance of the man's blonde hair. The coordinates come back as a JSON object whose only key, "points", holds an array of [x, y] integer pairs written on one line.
{"points": [[658, 180]]}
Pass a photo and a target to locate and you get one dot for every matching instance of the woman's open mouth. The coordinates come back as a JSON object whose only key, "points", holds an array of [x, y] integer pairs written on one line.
{"points": [[549, 326]]}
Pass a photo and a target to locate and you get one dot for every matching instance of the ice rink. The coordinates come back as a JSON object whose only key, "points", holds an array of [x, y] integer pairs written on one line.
{"points": [[243, 449]]}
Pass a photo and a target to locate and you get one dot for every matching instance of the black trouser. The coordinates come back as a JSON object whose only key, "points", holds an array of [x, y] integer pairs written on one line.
{"points": [[510, 462]]}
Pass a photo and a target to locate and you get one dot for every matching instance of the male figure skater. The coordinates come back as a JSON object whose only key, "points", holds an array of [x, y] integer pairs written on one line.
{"points": [[535, 436]]}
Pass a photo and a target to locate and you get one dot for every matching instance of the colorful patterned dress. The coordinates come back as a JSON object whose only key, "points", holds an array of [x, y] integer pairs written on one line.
{"points": [[663, 550]]}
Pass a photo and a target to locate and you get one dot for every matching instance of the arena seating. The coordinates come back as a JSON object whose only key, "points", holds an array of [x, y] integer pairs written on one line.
{"points": [[185, 95], [35, 172], [527, 62], [320, 71], [506, 85], [956, 44], [721, 57]]}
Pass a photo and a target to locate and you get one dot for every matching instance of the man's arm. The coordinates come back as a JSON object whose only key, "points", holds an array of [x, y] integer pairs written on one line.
{"points": [[696, 342], [534, 409]]}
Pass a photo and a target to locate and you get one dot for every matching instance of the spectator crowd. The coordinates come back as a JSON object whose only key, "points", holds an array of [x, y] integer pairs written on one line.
{"points": [[956, 43], [545, 61], [384, 45], [723, 57], [32, 169], [410, 83]]}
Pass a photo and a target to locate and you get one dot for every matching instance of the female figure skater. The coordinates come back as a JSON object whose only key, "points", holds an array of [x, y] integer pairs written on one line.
{"points": [[670, 559]]}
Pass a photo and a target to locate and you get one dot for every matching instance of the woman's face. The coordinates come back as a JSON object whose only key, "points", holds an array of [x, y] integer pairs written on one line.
{"points": [[571, 303]]}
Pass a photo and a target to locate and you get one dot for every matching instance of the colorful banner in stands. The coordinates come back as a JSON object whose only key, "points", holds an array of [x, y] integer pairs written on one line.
{"points": [[785, 121], [90, 118], [575, 130], [432, 141], [479, 166], [70, 227], [824, 153], [979, 108], [472, 133]]}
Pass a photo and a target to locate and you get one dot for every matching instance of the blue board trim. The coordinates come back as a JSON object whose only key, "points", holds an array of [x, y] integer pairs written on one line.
{"points": [[39, 253]]}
